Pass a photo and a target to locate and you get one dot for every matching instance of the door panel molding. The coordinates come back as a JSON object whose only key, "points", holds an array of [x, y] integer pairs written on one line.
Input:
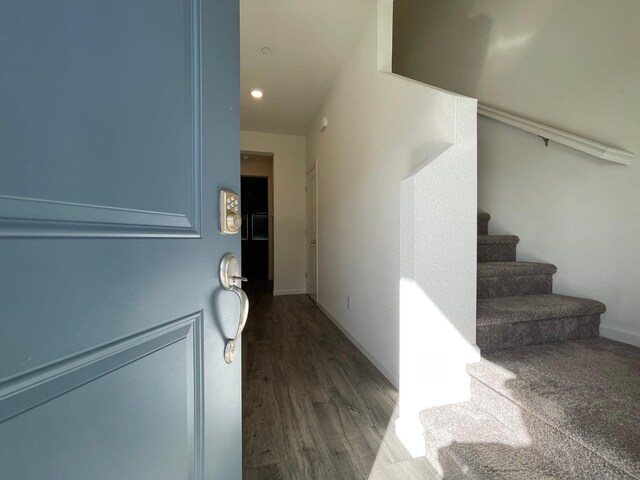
{"points": [[41, 217], [30, 217], [30, 390]]}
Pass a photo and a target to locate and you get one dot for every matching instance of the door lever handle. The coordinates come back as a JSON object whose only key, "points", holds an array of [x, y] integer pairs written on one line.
{"points": [[231, 347], [231, 280]]}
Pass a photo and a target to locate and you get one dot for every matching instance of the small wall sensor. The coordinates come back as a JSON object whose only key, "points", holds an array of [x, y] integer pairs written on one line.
{"points": [[324, 123]]}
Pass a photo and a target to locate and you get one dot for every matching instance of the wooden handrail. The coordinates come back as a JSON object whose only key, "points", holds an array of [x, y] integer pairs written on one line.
{"points": [[572, 140]]}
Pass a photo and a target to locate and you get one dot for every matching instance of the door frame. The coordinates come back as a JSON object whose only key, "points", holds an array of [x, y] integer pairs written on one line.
{"points": [[271, 180], [314, 169]]}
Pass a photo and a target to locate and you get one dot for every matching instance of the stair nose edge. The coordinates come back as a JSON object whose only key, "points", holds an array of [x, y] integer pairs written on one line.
{"points": [[498, 239], [518, 309], [514, 269], [601, 306]]}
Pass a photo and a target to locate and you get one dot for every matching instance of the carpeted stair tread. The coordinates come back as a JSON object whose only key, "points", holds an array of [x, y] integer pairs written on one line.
{"points": [[498, 240], [525, 308], [464, 440], [586, 389], [509, 269]]}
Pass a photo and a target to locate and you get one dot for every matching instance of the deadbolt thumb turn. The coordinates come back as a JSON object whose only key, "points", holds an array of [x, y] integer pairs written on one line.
{"points": [[232, 281]]}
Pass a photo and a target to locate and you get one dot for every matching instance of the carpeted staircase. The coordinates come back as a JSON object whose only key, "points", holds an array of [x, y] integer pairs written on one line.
{"points": [[516, 305], [566, 410], [550, 399]]}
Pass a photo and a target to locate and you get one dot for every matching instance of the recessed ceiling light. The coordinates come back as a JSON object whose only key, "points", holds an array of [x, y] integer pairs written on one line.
{"points": [[256, 93], [265, 50]]}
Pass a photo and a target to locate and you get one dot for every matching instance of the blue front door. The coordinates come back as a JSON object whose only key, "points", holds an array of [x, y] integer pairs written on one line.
{"points": [[118, 127]]}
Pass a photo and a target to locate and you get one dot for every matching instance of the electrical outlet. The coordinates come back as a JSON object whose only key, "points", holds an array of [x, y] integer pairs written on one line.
{"points": [[348, 303]]}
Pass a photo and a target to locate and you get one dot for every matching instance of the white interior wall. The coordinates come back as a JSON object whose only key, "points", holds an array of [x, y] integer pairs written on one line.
{"points": [[572, 64], [396, 171], [289, 153]]}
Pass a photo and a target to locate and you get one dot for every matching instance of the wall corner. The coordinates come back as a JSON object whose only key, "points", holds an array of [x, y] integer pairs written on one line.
{"points": [[385, 35]]}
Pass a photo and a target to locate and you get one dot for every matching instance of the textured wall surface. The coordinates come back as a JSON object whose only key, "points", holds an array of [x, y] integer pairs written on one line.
{"points": [[396, 221]]}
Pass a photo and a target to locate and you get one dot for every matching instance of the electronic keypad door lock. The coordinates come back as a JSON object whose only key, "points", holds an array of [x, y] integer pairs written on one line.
{"points": [[230, 219]]}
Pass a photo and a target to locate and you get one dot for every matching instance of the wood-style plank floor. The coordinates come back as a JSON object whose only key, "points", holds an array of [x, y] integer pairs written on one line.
{"points": [[314, 407]]}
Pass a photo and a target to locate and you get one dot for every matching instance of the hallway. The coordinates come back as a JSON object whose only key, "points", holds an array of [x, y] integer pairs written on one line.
{"points": [[313, 406]]}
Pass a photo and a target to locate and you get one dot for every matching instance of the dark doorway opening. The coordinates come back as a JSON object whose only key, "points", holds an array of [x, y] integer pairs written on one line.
{"points": [[255, 227]]}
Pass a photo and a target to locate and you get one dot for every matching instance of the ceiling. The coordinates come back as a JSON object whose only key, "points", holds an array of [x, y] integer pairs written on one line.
{"points": [[309, 41]]}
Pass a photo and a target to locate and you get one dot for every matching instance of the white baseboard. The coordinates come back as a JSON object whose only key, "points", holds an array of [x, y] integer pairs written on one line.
{"points": [[388, 375], [620, 334], [299, 291]]}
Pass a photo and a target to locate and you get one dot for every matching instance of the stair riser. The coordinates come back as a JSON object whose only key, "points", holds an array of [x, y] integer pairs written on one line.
{"points": [[491, 287], [509, 335], [577, 460], [483, 227], [497, 253]]}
